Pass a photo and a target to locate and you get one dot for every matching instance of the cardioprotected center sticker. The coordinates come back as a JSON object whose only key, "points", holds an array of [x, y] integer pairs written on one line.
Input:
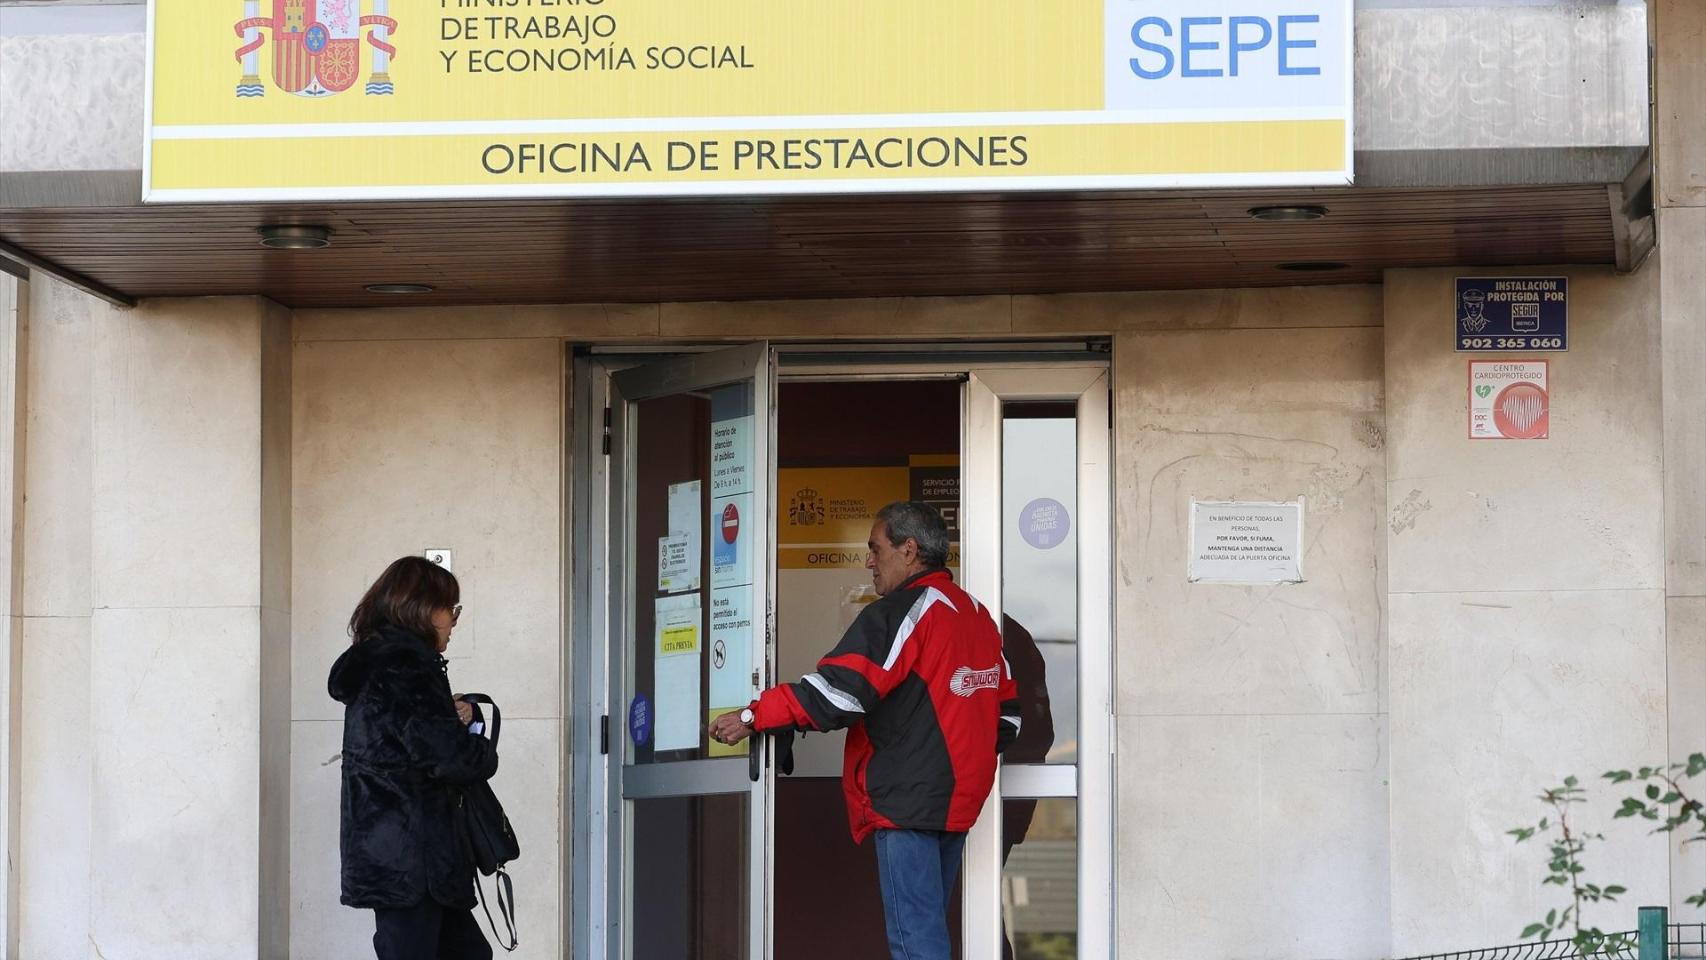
{"points": [[1509, 400]]}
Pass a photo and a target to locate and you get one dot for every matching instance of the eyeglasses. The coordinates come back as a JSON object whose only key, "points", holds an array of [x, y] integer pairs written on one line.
{"points": [[455, 613]]}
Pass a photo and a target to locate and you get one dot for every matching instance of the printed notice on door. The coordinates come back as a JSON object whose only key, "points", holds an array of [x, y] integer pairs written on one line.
{"points": [[1233, 542], [678, 553], [676, 668]]}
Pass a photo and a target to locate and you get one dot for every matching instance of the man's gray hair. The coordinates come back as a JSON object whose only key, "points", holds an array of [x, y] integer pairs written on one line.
{"points": [[913, 520]]}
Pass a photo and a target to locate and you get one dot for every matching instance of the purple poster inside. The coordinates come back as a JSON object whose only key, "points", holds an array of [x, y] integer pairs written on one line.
{"points": [[1044, 523]]}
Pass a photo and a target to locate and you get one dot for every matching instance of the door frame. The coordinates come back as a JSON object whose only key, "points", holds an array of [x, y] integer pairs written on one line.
{"points": [[605, 783], [1091, 779], [993, 372]]}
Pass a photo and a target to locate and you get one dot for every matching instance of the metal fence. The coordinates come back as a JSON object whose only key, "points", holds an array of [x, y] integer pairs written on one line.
{"points": [[1536, 950], [1687, 941], [1655, 939]]}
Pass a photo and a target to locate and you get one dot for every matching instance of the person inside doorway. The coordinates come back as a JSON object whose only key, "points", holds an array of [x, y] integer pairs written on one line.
{"points": [[920, 683]]}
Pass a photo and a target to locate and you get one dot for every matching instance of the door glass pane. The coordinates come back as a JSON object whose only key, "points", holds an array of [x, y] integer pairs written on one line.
{"points": [[1039, 576], [689, 890], [1039, 879], [690, 655]]}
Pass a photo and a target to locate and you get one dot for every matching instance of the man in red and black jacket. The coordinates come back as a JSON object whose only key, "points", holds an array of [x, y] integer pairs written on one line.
{"points": [[920, 682]]}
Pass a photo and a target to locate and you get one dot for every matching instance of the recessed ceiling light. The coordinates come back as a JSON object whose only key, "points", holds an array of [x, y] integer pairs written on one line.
{"points": [[398, 288], [1313, 266], [1287, 214], [294, 237]]}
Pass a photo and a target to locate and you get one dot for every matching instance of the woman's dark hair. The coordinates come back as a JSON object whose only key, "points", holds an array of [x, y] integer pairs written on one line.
{"points": [[404, 597]]}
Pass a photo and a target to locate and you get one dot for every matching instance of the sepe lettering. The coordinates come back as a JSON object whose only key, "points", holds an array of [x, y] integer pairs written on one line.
{"points": [[1203, 47]]}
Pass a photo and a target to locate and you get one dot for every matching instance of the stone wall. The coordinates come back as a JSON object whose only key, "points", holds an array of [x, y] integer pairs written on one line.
{"points": [[406, 444], [1319, 769], [150, 815], [1527, 617]]}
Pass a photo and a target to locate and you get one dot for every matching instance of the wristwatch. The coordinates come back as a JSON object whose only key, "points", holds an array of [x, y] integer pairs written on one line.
{"points": [[746, 716]]}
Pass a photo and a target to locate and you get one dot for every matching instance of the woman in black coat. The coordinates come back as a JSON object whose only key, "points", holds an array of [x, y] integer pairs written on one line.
{"points": [[407, 754]]}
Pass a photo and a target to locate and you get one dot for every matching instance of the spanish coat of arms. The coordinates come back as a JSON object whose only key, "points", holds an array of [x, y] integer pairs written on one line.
{"points": [[316, 46]]}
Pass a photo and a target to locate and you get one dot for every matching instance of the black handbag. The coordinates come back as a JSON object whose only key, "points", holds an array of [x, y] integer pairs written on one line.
{"points": [[491, 841]]}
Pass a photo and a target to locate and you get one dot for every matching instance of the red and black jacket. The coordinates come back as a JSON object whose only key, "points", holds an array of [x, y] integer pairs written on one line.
{"points": [[929, 700]]}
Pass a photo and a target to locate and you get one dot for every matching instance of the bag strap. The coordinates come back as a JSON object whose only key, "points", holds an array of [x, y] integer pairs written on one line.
{"points": [[506, 908], [497, 716]]}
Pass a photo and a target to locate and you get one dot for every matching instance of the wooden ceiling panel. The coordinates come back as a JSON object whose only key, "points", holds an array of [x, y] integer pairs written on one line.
{"points": [[806, 247]]}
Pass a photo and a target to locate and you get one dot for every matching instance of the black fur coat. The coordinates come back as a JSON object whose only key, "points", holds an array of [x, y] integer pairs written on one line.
{"points": [[405, 758]]}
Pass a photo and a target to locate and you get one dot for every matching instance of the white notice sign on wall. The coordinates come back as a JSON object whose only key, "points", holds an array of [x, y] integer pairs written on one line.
{"points": [[1246, 542]]}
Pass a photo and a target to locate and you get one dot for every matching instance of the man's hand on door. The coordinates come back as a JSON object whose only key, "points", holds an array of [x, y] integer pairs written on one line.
{"points": [[728, 729]]}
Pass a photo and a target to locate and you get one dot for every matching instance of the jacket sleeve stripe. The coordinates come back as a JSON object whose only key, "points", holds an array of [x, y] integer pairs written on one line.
{"points": [[854, 683], [827, 705], [855, 663], [845, 702]]}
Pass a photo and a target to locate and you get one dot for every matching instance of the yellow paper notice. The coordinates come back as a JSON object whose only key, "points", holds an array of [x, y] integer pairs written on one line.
{"points": [[679, 639]]}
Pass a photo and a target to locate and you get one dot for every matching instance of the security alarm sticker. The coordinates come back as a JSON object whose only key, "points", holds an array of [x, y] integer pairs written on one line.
{"points": [[1509, 400], [1498, 314]]}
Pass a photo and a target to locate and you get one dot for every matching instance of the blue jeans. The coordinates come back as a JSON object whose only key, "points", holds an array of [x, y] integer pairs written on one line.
{"points": [[917, 869]]}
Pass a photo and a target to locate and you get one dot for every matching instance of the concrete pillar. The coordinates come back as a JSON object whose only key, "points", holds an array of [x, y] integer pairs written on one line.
{"points": [[1527, 610], [189, 634], [1679, 34], [55, 866], [14, 362], [1251, 722]]}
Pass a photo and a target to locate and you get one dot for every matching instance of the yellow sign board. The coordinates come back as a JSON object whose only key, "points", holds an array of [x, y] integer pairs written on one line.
{"points": [[374, 99], [835, 505], [826, 512]]}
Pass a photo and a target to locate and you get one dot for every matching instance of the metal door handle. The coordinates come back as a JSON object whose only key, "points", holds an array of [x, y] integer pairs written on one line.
{"points": [[753, 768]]}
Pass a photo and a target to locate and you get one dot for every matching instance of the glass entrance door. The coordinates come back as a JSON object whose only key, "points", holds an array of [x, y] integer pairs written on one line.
{"points": [[1038, 549], [691, 532], [681, 539]]}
